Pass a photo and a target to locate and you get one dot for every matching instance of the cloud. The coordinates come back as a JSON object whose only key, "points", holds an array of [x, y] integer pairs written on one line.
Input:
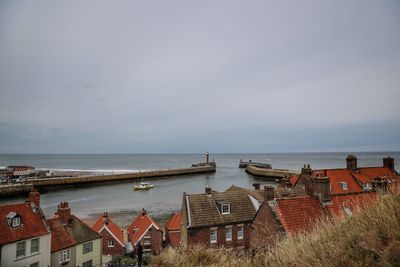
{"points": [[185, 77]]}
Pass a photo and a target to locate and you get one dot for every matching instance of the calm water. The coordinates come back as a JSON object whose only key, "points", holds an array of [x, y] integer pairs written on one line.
{"points": [[167, 194]]}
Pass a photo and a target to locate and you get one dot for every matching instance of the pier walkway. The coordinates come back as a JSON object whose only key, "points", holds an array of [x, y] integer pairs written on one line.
{"points": [[270, 173]]}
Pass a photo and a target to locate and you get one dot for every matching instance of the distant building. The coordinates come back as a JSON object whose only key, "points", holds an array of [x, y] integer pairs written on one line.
{"points": [[24, 234], [113, 236], [146, 231], [19, 171], [173, 230], [349, 180], [73, 243], [216, 219]]}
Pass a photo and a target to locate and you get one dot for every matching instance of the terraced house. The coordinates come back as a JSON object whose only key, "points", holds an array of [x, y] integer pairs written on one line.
{"points": [[73, 242], [24, 234], [217, 219]]}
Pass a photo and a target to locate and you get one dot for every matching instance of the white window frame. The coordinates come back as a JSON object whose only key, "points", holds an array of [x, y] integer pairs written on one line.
{"points": [[111, 243], [24, 245], [240, 229], [38, 245], [64, 255], [228, 209], [147, 240], [228, 233], [343, 186], [16, 222], [213, 240], [87, 247]]}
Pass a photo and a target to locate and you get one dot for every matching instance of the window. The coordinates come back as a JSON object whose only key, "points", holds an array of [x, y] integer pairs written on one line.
{"points": [[228, 233], [16, 222], [87, 247], [34, 245], [36, 264], [348, 211], [146, 240], [111, 243], [343, 185], [88, 263], [64, 256], [20, 249], [213, 235], [240, 232], [225, 209]]}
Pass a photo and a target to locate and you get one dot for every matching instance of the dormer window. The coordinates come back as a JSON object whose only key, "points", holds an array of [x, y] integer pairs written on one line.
{"points": [[343, 185], [13, 219], [367, 186], [224, 207]]}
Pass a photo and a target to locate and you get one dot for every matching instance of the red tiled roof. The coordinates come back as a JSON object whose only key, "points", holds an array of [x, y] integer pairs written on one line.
{"points": [[112, 227], [294, 179], [353, 202], [174, 222], [299, 213], [142, 223], [374, 172], [33, 223], [337, 176]]}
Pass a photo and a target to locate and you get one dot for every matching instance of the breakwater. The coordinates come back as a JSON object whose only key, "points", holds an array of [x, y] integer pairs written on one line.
{"points": [[270, 173], [15, 190], [120, 177]]}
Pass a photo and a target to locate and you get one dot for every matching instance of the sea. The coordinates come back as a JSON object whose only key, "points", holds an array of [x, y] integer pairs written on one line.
{"points": [[166, 196]]}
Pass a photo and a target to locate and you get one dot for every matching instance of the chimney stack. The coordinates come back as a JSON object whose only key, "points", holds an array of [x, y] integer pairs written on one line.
{"points": [[34, 197], [351, 162], [322, 189], [306, 169], [105, 218], [388, 162], [208, 190], [144, 211], [64, 212], [256, 186], [269, 193]]}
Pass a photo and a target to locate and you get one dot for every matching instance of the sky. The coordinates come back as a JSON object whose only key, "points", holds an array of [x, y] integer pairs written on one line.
{"points": [[194, 76]]}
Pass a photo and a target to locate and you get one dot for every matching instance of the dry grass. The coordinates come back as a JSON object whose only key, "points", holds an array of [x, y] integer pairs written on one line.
{"points": [[370, 238]]}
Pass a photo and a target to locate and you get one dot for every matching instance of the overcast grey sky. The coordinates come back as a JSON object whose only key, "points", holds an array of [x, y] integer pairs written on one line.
{"points": [[191, 76]]}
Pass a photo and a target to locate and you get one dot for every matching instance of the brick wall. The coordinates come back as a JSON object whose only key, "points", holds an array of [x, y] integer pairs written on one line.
{"points": [[156, 237], [116, 250], [265, 229], [173, 238], [201, 236]]}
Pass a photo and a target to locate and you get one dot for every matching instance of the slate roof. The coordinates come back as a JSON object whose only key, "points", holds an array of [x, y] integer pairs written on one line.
{"points": [[71, 234], [299, 214], [279, 192], [202, 210], [142, 223], [111, 226], [33, 223]]}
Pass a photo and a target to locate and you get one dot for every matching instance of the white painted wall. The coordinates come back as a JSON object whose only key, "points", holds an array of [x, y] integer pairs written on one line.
{"points": [[9, 253]]}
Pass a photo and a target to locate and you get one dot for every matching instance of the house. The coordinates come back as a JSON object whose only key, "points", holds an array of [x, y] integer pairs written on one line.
{"points": [[351, 179], [216, 219], [113, 236], [24, 234], [73, 243], [280, 216], [173, 230], [146, 231]]}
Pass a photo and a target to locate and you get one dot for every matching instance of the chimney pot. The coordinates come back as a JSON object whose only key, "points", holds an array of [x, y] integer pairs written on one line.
{"points": [[208, 190], [256, 186], [64, 212]]}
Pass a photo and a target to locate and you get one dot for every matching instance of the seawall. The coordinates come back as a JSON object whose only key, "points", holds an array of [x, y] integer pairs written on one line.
{"points": [[37, 183], [15, 190], [270, 173]]}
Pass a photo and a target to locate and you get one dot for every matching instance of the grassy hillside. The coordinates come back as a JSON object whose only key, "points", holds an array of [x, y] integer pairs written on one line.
{"points": [[370, 238]]}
